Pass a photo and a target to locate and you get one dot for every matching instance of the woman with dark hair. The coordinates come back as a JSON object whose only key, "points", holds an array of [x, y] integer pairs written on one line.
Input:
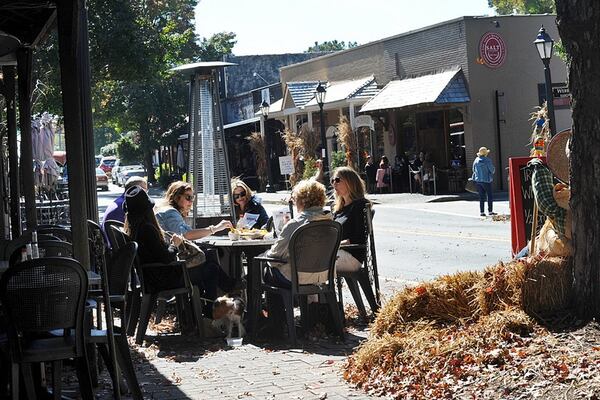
{"points": [[142, 226], [348, 210], [178, 202], [384, 175]]}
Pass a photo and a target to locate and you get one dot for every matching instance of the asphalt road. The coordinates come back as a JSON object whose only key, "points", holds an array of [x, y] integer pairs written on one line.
{"points": [[418, 241]]}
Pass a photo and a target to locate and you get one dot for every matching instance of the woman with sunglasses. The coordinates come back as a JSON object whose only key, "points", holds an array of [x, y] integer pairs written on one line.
{"points": [[246, 204], [348, 210], [179, 200], [177, 203]]}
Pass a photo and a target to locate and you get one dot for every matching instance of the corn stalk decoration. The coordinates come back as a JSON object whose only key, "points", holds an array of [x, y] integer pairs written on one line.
{"points": [[310, 141], [294, 145], [348, 141], [541, 130], [257, 145]]}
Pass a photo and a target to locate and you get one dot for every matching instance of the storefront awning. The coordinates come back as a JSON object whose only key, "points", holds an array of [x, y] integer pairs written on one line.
{"points": [[437, 89], [243, 122]]}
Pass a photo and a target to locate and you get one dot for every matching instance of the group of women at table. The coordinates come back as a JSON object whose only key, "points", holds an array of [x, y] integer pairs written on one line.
{"points": [[155, 245]]}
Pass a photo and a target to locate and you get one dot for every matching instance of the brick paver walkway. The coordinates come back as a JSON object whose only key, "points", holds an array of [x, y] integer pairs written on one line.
{"points": [[185, 367]]}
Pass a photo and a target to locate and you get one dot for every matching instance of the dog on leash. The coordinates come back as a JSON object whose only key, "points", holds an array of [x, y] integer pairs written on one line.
{"points": [[228, 311]]}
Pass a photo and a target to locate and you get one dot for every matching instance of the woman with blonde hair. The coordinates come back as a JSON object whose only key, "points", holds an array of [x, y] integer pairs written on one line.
{"points": [[177, 203], [348, 210], [309, 197], [247, 205]]}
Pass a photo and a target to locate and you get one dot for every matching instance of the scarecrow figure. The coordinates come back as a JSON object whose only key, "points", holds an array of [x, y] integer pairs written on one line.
{"points": [[552, 199]]}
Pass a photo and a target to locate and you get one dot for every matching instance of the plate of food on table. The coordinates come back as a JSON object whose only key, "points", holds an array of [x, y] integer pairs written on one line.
{"points": [[246, 233]]}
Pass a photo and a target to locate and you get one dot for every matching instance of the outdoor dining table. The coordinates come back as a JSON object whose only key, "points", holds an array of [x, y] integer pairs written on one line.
{"points": [[235, 248]]}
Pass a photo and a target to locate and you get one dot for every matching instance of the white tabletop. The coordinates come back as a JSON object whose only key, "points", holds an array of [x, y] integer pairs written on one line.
{"points": [[224, 241]]}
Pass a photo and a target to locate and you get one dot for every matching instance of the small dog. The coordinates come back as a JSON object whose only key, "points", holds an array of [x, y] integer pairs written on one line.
{"points": [[228, 311]]}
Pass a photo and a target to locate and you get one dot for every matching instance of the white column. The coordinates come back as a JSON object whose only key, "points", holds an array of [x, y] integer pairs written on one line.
{"points": [[310, 120], [352, 116]]}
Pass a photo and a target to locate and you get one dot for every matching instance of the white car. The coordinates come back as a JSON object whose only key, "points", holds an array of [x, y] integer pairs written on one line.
{"points": [[126, 173]]}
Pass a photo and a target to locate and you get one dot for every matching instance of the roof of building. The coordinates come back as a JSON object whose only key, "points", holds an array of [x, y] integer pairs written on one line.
{"points": [[302, 92], [363, 88], [441, 88]]}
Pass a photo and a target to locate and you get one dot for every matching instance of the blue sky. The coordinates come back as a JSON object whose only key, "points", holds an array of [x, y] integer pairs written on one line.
{"points": [[283, 26]]}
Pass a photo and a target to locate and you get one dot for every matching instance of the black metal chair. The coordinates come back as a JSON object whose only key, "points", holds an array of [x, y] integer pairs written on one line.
{"points": [[154, 286], [115, 277], [114, 237], [312, 249], [118, 239], [63, 234], [104, 339], [11, 250], [39, 296], [367, 276]]}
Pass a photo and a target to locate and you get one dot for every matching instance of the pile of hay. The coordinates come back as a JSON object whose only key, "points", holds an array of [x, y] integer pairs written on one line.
{"points": [[429, 338]]}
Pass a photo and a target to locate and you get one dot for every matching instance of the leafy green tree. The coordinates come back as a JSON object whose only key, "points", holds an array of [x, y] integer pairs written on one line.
{"points": [[504, 7], [331, 45], [128, 150], [216, 46]]}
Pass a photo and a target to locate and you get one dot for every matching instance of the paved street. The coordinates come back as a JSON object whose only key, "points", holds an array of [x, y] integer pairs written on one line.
{"points": [[417, 240]]}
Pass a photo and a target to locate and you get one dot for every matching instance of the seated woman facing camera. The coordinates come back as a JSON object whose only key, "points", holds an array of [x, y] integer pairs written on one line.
{"points": [[248, 209], [309, 197], [348, 210]]}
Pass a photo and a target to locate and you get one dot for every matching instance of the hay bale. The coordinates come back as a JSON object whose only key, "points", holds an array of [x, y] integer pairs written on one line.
{"points": [[548, 286], [500, 288], [447, 299]]}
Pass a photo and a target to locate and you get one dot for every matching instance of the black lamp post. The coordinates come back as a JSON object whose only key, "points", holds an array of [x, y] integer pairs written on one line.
{"points": [[320, 96], [545, 45], [264, 110]]}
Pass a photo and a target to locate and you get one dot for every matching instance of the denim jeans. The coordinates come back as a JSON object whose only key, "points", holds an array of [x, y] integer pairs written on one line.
{"points": [[485, 188]]}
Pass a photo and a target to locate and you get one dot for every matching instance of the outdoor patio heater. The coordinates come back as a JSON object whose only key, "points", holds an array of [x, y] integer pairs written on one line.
{"points": [[208, 166]]}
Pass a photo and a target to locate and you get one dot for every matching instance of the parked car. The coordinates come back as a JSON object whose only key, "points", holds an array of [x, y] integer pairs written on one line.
{"points": [[101, 180], [107, 163], [134, 170], [98, 159], [121, 170], [116, 169]]}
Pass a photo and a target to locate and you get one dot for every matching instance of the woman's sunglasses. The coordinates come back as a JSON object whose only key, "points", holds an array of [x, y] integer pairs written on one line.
{"points": [[240, 194], [335, 180], [189, 197]]}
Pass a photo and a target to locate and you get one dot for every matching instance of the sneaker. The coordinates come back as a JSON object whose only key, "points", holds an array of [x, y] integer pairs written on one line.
{"points": [[482, 215], [492, 213]]}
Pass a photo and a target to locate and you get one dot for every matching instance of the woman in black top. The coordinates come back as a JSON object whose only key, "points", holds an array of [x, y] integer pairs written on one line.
{"points": [[246, 203], [348, 210], [141, 225]]}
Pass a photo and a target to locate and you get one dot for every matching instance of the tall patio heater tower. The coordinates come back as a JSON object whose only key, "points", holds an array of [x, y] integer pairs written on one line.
{"points": [[208, 166]]}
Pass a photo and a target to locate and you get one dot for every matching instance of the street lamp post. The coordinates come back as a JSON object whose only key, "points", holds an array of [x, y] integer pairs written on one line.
{"points": [[320, 96], [545, 45], [264, 110]]}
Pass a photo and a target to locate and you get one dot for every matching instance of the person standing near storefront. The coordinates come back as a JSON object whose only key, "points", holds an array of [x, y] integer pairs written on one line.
{"points": [[483, 175], [371, 173]]}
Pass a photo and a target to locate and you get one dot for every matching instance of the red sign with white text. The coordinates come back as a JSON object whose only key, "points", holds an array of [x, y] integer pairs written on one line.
{"points": [[492, 50]]}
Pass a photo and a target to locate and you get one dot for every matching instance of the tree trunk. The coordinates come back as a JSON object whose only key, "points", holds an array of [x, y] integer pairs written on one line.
{"points": [[579, 27]]}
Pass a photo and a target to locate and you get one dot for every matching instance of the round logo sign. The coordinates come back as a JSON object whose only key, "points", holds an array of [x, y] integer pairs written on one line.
{"points": [[492, 50]]}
